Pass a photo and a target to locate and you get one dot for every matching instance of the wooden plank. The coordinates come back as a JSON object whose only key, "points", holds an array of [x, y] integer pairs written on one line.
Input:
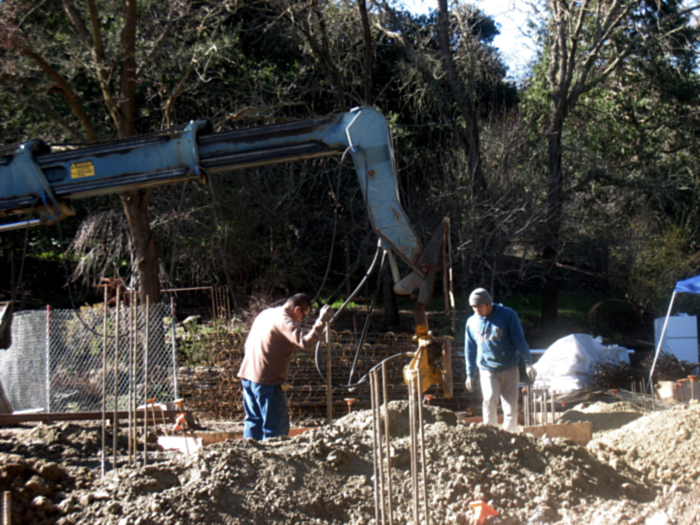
{"points": [[579, 433], [14, 419], [193, 441]]}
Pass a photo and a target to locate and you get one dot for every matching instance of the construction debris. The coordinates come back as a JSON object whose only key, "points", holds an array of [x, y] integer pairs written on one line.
{"points": [[645, 468]]}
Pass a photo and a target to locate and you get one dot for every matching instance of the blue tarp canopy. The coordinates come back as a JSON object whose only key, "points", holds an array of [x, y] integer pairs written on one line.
{"points": [[691, 285]]}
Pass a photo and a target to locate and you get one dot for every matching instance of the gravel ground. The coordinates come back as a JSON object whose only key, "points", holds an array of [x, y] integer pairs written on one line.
{"points": [[643, 472]]}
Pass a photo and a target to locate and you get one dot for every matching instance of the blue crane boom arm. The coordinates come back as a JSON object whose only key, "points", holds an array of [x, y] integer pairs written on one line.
{"points": [[34, 178]]}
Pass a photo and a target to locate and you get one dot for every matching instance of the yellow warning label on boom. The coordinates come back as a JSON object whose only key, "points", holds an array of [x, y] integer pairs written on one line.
{"points": [[81, 169]]}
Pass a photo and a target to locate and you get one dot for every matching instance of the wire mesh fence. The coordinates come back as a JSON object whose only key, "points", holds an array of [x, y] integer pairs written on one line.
{"points": [[214, 391], [68, 361]]}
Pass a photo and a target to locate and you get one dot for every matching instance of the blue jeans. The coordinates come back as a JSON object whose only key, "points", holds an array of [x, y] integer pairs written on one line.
{"points": [[266, 412]]}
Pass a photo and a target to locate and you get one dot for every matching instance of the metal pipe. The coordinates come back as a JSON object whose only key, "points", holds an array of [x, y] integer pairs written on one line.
{"points": [[414, 467], [387, 435], [134, 369], [129, 384], [104, 383], [48, 358], [545, 410], [373, 401], [526, 409], [329, 382], [174, 345], [145, 382], [115, 426], [7, 508], [661, 339], [554, 410], [132, 377], [380, 454], [422, 448]]}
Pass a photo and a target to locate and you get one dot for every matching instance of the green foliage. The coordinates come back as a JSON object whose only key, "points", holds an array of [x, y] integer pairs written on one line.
{"points": [[196, 343], [648, 270]]}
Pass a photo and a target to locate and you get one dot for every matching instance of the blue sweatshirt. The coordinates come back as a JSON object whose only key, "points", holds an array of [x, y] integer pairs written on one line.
{"points": [[496, 342]]}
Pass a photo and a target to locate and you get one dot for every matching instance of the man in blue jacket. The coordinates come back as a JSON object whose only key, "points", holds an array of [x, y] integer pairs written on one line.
{"points": [[495, 343]]}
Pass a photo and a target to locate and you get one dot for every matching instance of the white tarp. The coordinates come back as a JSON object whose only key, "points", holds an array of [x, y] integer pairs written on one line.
{"points": [[570, 362]]}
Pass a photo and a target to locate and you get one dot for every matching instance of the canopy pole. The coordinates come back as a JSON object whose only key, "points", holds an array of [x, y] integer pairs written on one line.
{"points": [[661, 340]]}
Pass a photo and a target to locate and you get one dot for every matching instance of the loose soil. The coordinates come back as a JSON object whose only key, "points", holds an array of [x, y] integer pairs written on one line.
{"points": [[643, 471]]}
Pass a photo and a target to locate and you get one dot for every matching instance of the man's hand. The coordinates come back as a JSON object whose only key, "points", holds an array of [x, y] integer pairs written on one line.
{"points": [[326, 314], [471, 383], [531, 372]]}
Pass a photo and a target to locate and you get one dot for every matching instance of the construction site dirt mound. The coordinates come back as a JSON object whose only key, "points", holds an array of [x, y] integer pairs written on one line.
{"points": [[603, 416], [641, 473]]}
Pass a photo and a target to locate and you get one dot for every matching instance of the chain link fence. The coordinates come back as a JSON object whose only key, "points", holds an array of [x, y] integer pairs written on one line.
{"points": [[63, 360]]}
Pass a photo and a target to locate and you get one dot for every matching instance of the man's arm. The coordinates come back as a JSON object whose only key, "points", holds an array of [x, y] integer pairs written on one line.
{"points": [[295, 334], [470, 349], [517, 337]]}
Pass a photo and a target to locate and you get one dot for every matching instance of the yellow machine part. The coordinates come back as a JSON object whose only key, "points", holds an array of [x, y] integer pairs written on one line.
{"points": [[429, 374]]}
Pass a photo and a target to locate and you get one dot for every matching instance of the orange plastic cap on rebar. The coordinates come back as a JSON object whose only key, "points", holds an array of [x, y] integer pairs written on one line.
{"points": [[481, 511]]}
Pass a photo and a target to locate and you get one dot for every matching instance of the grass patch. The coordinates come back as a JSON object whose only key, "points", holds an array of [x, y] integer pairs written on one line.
{"points": [[570, 304]]}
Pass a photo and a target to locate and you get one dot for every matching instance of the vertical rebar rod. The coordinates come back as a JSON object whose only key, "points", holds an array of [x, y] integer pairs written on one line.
{"points": [[387, 435], [115, 425], [526, 406], [130, 364], [419, 395], [129, 349], [380, 453], [137, 341], [145, 382], [7, 508], [174, 345], [373, 403], [554, 409], [545, 409], [412, 425], [450, 276], [634, 393], [48, 359], [104, 383], [329, 381]]}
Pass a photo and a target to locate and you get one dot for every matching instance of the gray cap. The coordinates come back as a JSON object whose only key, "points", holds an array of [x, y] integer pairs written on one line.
{"points": [[480, 296]]}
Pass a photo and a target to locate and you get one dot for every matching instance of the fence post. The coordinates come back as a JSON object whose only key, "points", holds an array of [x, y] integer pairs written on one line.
{"points": [[174, 345], [48, 359]]}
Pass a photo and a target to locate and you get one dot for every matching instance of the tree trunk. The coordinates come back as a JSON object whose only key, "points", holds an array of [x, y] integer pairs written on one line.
{"points": [[465, 104], [136, 208], [369, 54], [555, 203]]}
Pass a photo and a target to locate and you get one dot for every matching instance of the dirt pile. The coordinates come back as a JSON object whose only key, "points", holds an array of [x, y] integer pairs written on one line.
{"points": [[41, 466], [603, 416], [662, 446], [642, 473], [325, 476]]}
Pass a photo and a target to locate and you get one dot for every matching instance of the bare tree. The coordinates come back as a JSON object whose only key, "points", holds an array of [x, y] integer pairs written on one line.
{"points": [[583, 47], [464, 101], [107, 50]]}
